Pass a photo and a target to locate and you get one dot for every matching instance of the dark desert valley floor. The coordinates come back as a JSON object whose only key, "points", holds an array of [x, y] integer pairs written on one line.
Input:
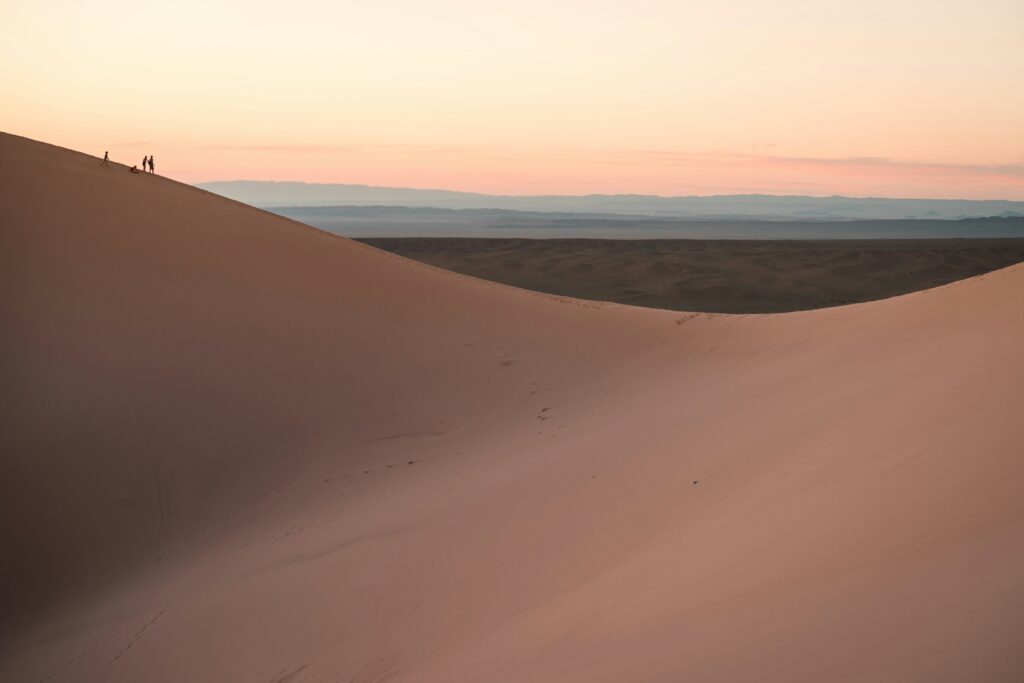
{"points": [[725, 276]]}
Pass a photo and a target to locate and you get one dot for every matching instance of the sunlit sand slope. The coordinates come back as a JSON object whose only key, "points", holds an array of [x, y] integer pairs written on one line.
{"points": [[238, 449]]}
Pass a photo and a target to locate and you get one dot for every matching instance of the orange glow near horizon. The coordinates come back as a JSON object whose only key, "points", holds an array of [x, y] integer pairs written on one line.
{"points": [[900, 98]]}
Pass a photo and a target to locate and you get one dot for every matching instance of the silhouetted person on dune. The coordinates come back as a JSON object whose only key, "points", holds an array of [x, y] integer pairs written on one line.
{"points": [[152, 168], [145, 160], [134, 169], [106, 159]]}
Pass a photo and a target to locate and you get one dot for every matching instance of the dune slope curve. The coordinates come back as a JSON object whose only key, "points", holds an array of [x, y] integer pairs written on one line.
{"points": [[238, 449]]}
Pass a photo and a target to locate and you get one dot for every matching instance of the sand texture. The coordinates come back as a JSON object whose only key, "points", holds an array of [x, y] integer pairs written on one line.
{"points": [[235, 448]]}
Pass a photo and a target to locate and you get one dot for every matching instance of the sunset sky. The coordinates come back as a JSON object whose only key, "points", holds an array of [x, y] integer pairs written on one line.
{"points": [[898, 98]]}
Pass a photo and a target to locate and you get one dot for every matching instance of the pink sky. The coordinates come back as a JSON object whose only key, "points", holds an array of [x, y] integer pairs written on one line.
{"points": [[897, 98]]}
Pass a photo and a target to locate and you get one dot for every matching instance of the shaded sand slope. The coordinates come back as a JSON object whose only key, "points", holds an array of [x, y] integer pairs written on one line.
{"points": [[235, 448]]}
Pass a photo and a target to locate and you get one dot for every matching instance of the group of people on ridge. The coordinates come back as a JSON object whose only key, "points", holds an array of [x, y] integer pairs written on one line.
{"points": [[146, 161]]}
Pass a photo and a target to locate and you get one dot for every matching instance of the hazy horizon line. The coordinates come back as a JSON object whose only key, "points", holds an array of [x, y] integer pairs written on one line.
{"points": [[652, 195]]}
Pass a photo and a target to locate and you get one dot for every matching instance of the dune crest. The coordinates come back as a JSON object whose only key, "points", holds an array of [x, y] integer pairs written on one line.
{"points": [[239, 449]]}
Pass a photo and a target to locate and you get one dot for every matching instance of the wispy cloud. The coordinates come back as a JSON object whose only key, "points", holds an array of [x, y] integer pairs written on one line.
{"points": [[1004, 170], [342, 149], [760, 156], [720, 157]]}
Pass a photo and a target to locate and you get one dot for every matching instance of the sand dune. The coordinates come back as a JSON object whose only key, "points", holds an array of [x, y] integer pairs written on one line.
{"points": [[239, 449]]}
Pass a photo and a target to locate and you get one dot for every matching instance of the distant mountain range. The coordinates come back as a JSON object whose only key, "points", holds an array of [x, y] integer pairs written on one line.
{"points": [[269, 194], [397, 221]]}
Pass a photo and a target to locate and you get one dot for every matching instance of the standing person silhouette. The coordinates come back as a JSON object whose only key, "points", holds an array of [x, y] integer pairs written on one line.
{"points": [[106, 159], [152, 169], [145, 160]]}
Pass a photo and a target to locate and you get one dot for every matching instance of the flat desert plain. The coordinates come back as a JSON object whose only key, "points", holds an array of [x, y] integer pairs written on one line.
{"points": [[235, 448], [716, 276]]}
